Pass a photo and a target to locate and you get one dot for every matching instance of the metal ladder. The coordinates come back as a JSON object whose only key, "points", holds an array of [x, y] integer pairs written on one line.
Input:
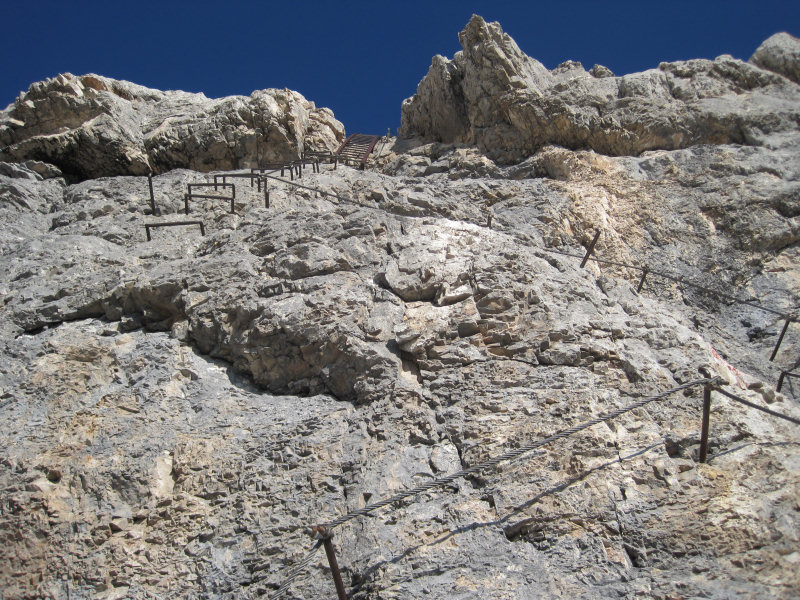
{"points": [[356, 148]]}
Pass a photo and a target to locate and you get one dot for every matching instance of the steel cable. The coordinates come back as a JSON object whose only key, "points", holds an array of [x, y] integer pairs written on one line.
{"points": [[293, 574], [511, 454], [644, 269], [763, 409], [442, 481], [674, 278], [318, 190]]}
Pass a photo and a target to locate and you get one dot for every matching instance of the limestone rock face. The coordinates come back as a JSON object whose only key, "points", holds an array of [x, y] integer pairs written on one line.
{"points": [[93, 126], [445, 113], [779, 53], [176, 413], [509, 105]]}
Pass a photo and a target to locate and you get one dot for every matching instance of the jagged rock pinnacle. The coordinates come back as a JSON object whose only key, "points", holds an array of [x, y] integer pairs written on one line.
{"points": [[509, 105]]}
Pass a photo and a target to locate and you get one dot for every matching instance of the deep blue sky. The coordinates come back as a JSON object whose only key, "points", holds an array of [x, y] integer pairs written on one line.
{"points": [[360, 59]]}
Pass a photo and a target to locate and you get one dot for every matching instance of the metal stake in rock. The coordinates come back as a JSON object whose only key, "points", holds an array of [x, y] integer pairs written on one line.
{"points": [[645, 271], [706, 423], [324, 533], [590, 249], [152, 197], [780, 338]]}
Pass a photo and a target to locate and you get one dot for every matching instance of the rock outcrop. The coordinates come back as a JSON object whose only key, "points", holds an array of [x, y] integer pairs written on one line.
{"points": [[779, 53], [494, 96], [93, 126]]}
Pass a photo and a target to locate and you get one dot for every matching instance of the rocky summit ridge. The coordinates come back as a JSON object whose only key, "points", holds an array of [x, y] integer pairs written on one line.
{"points": [[509, 105], [178, 412]]}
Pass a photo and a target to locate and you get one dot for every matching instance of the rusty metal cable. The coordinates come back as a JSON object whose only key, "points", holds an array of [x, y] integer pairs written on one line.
{"points": [[442, 481], [763, 409], [318, 190], [511, 454], [676, 279], [644, 269], [295, 572]]}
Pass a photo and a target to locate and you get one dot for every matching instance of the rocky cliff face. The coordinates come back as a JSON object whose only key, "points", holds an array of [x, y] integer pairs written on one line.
{"points": [[510, 105], [93, 126], [176, 413]]}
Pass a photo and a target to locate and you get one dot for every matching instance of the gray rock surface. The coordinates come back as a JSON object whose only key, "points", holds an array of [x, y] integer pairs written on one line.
{"points": [[413, 340], [494, 96], [779, 53], [92, 126], [176, 413]]}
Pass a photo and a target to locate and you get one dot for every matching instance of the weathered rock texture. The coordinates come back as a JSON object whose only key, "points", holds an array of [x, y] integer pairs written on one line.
{"points": [[176, 413], [509, 105], [781, 54], [93, 126]]}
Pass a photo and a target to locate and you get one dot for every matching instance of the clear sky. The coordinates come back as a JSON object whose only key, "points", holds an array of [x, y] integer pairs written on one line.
{"points": [[359, 58]]}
